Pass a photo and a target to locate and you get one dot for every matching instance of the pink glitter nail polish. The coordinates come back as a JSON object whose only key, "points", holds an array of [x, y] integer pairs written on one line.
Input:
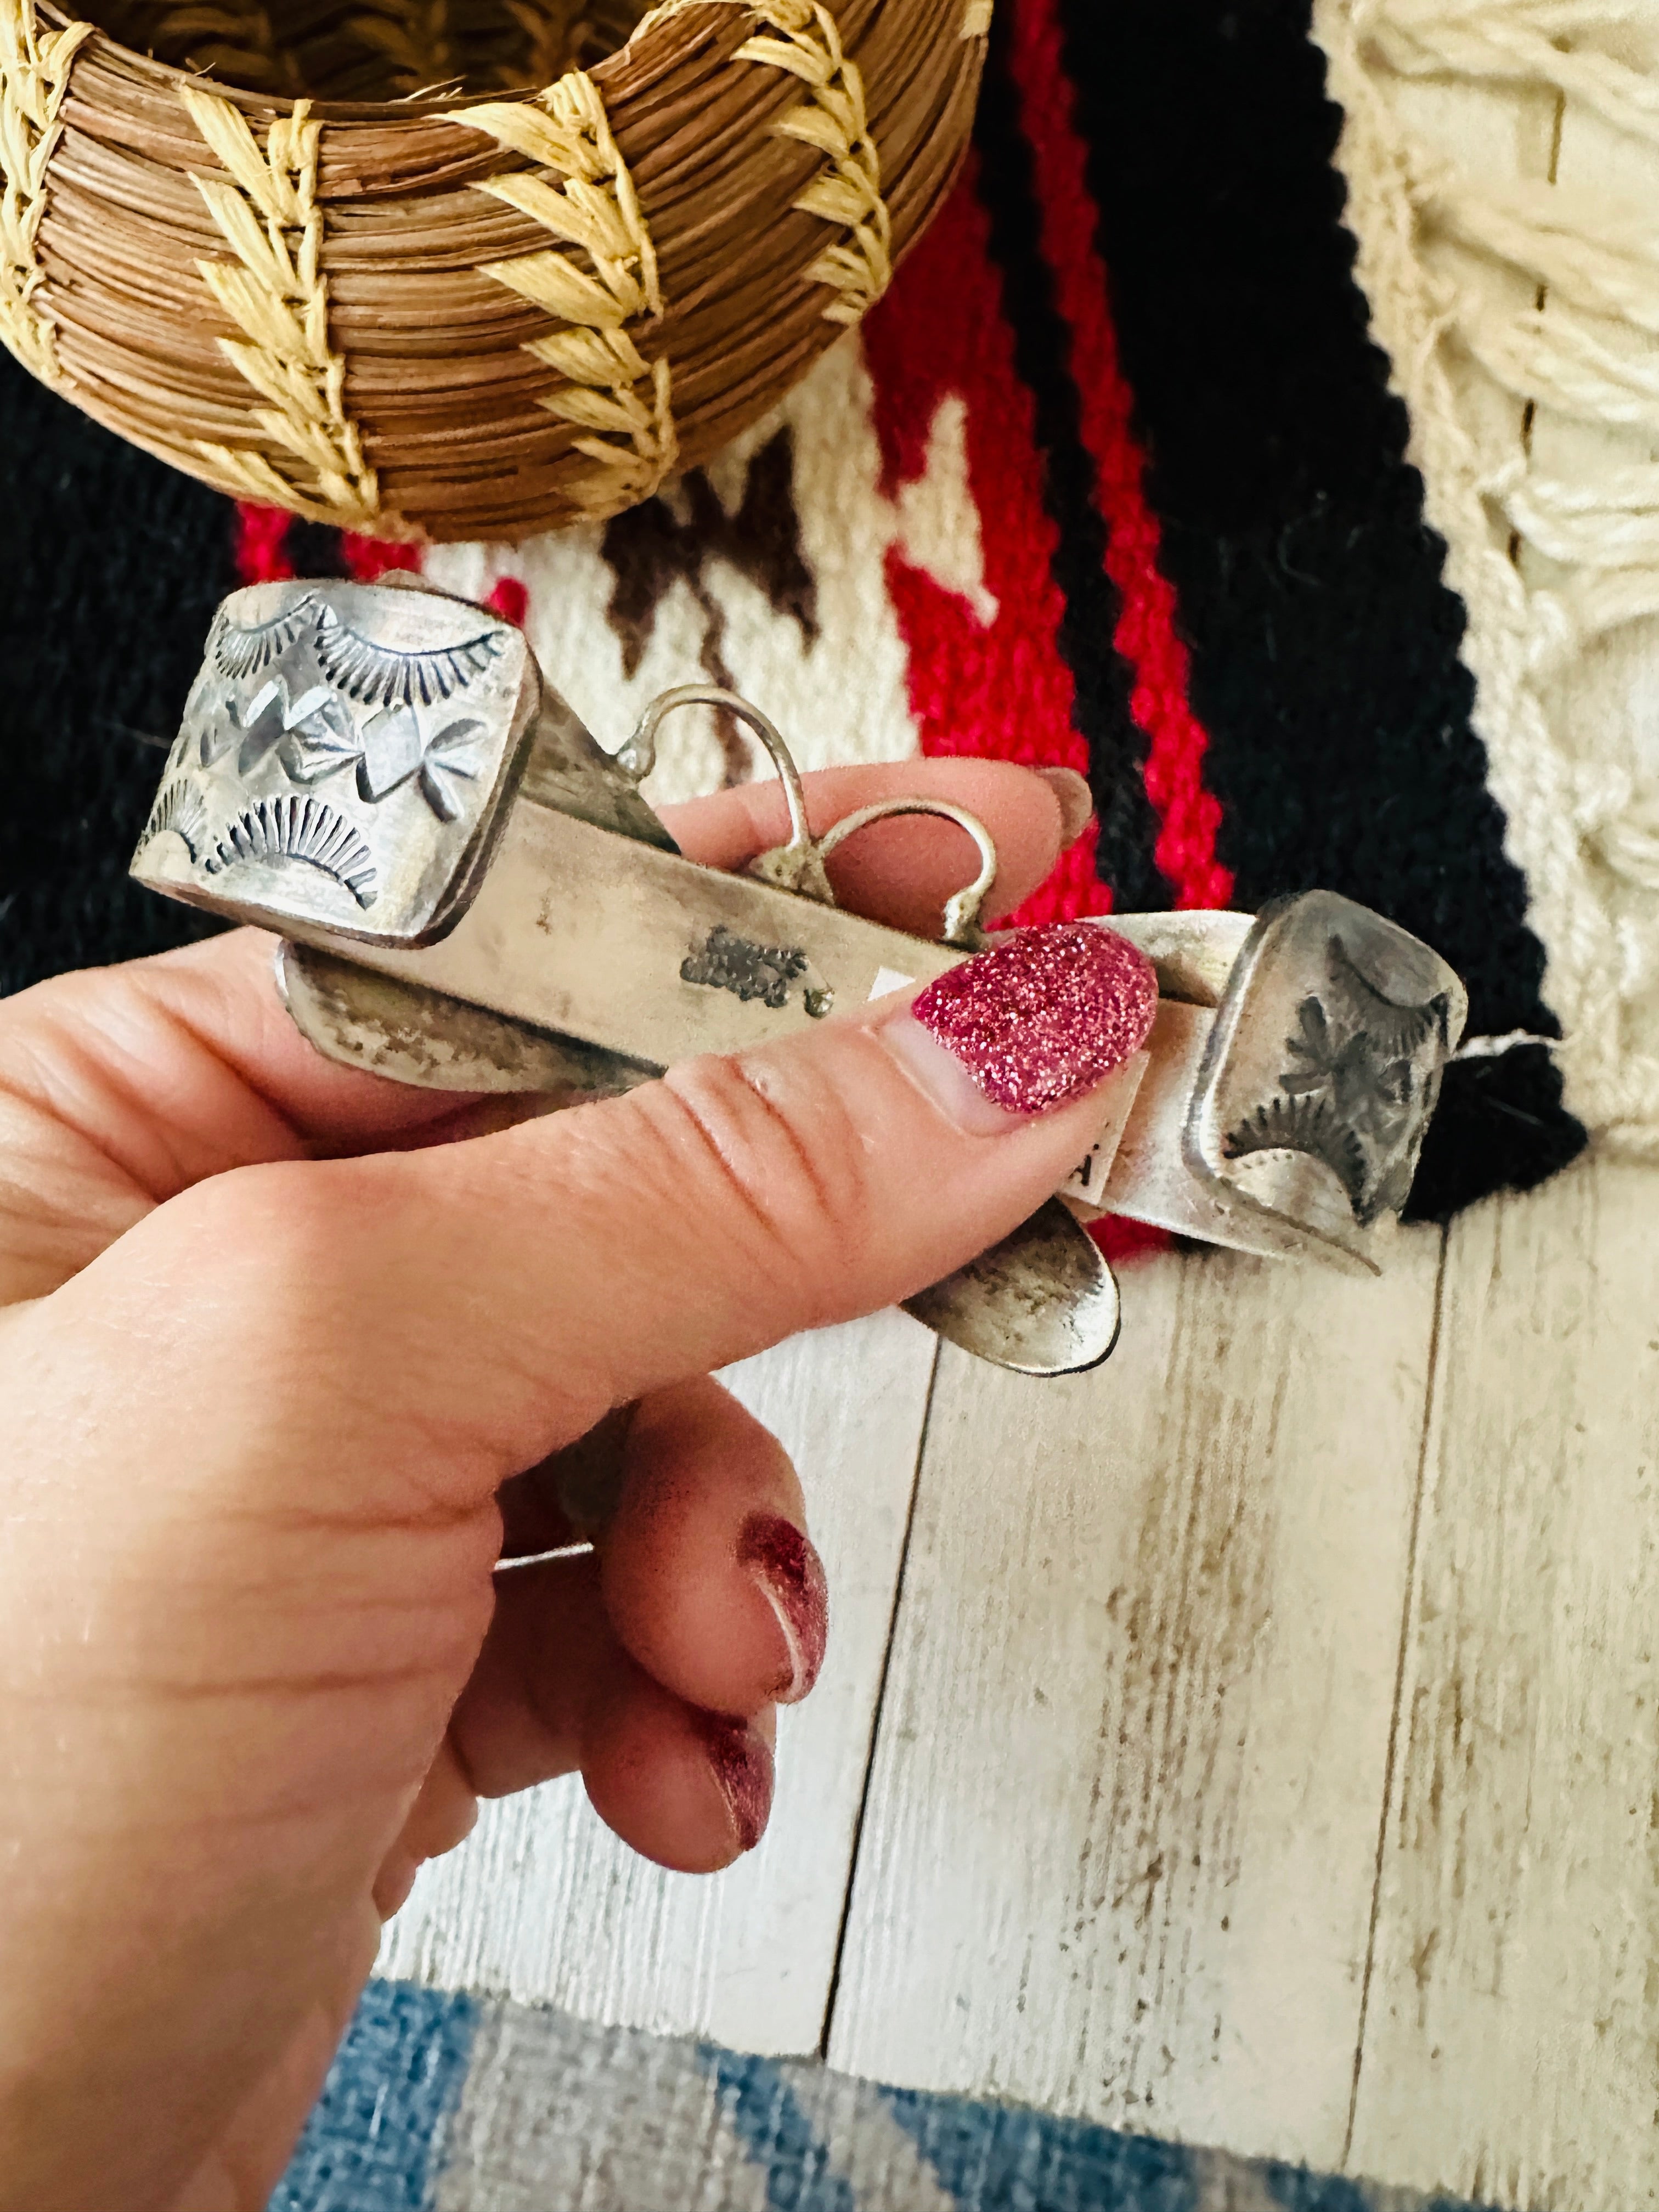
{"points": [[743, 1768], [791, 1576], [1045, 1016]]}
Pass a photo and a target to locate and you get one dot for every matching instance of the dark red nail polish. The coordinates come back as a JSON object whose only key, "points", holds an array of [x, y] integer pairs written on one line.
{"points": [[791, 1575], [1044, 1016], [742, 1762]]}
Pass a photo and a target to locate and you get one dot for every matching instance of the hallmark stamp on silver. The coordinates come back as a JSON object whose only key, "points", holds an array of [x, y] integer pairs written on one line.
{"points": [[727, 962]]}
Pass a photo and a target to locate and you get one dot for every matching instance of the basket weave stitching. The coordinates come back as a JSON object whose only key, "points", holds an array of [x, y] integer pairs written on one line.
{"points": [[33, 77], [405, 47], [427, 53], [614, 394], [318, 309], [276, 293], [550, 39], [860, 266], [414, 36]]}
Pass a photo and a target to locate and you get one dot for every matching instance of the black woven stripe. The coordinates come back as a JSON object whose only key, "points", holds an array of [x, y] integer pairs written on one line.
{"points": [[1117, 749], [314, 548], [1324, 644], [114, 565]]}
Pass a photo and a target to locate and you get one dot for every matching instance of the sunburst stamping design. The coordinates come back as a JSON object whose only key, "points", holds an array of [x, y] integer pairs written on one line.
{"points": [[307, 829], [1306, 1125], [342, 751], [1350, 1036], [179, 808], [240, 651], [378, 675]]}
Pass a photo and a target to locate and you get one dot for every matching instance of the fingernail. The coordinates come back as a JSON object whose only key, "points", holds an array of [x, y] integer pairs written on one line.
{"points": [[1077, 801], [790, 1575], [742, 1762], [1036, 1021]]}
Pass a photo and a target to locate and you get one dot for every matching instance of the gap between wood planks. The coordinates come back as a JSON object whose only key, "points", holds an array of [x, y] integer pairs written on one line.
{"points": [[1407, 1607], [1118, 1855], [834, 1988]]}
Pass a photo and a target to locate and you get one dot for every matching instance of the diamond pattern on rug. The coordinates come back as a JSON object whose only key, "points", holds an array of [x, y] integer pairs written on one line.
{"points": [[444, 2104]]}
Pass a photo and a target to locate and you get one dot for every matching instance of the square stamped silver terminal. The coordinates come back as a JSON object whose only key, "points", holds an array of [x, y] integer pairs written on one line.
{"points": [[1321, 1071], [344, 757]]}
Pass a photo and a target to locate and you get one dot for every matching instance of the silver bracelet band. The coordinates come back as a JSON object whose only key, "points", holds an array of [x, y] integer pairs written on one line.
{"points": [[475, 896]]}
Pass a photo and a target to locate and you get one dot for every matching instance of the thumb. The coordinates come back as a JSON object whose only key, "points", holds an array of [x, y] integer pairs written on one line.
{"points": [[492, 1298]]}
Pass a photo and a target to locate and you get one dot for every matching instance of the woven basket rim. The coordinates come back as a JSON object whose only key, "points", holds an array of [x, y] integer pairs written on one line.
{"points": [[469, 313], [411, 108]]}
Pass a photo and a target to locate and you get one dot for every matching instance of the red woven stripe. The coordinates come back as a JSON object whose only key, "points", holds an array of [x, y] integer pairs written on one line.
{"points": [[510, 600], [1146, 634], [262, 556], [367, 559], [1001, 689], [261, 549], [998, 690]]}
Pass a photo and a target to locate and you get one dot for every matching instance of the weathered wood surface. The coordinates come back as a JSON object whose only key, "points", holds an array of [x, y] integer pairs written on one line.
{"points": [[1120, 1852], [1513, 2014], [1270, 1744], [542, 1904]]}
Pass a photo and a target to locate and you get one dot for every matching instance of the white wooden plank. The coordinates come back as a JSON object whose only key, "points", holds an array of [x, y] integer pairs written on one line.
{"points": [[542, 1904], [1120, 1845], [1513, 2004]]}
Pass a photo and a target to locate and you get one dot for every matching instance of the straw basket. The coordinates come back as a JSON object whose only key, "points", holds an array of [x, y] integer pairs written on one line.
{"points": [[319, 265]]}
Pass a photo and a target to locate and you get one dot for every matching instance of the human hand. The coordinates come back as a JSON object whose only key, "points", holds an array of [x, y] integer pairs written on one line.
{"points": [[285, 1352]]}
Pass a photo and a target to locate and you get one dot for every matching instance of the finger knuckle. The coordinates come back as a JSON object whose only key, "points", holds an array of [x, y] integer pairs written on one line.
{"points": [[267, 1245], [787, 1174]]}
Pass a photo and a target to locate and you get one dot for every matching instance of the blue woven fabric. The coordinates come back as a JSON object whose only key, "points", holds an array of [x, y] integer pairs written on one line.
{"points": [[449, 2104], [765, 2114], [990, 2156], [371, 2144]]}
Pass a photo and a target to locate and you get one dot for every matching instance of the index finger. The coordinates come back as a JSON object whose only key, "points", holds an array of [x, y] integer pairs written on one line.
{"points": [[901, 871], [185, 1064]]}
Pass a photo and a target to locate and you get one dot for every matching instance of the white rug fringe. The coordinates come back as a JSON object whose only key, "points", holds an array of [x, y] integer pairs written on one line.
{"points": [[1579, 341]]}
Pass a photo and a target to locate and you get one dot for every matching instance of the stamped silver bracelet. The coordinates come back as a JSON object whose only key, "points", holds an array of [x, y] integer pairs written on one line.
{"points": [[473, 895]]}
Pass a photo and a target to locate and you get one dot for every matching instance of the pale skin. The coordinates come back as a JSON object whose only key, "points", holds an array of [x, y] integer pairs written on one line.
{"points": [[275, 1336]]}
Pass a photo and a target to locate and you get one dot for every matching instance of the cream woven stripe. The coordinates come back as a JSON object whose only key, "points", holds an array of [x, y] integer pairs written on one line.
{"points": [[34, 71], [807, 43], [1583, 813], [620, 401], [274, 290]]}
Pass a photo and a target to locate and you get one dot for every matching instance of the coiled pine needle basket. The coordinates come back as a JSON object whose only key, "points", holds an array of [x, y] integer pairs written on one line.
{"points": [[349, 261]]}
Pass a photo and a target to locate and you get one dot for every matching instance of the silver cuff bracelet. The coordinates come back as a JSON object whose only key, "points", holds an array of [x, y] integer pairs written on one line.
{"points": [[474, 897]]}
